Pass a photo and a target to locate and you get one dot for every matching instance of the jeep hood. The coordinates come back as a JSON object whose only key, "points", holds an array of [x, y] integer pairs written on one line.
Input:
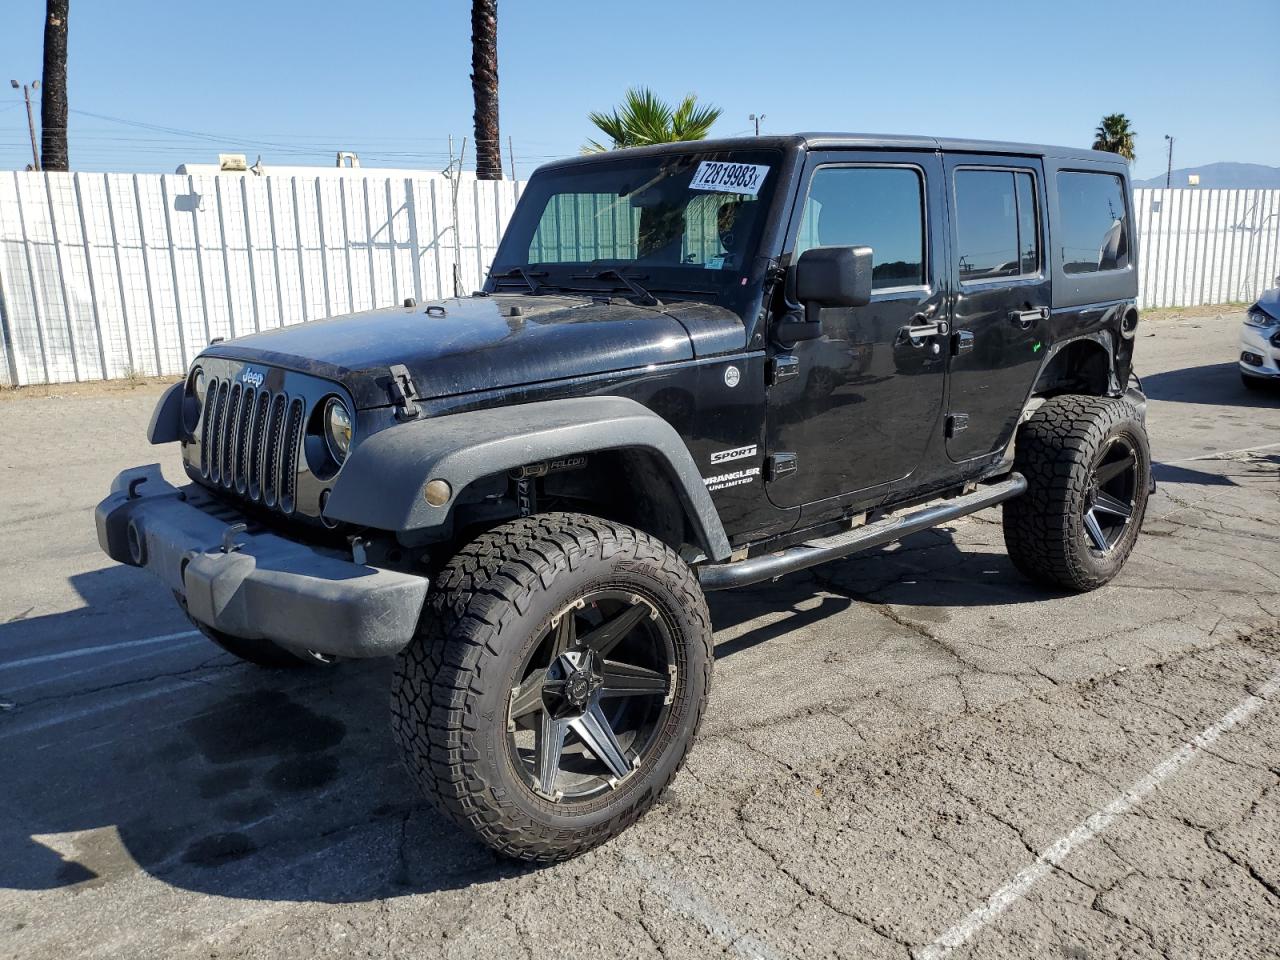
{"points": [[486, 343]]}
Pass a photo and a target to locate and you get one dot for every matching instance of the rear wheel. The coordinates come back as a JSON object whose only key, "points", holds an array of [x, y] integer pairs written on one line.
{"points": [[1088, 466], [556, 683]]}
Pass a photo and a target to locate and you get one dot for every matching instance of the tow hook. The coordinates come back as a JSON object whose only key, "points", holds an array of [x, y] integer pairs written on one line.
{"points": [[358, 552], [229, 535]]}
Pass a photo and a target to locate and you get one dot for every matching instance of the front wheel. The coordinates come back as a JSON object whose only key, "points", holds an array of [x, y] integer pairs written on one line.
{"points": [[1088, 468], [556, 683]]}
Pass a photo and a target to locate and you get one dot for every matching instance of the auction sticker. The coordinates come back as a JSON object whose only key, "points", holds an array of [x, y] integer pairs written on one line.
{"points": [[743, 178]]}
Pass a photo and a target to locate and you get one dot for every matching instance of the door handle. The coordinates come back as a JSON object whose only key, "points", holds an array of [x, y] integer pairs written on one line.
{"points": [[1025, 318], [917, 333]]}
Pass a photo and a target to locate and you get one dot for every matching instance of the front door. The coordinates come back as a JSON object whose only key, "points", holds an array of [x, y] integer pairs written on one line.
{"points": [[1002, 301], [858, 405]]}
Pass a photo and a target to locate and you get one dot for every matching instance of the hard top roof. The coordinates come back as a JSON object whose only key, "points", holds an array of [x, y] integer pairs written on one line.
{"points": [[868, 141]]}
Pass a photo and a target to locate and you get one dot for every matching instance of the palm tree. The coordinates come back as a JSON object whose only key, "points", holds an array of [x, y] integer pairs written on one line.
{"points": [[1115, 136], [644, 118], [53, 89], [484, 87]]}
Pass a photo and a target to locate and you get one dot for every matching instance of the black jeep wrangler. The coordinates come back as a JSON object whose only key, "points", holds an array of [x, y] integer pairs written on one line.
{"points": [[693, 367]]}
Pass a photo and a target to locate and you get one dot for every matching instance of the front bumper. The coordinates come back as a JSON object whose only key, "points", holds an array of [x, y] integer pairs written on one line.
{"points": [[1265, 357], [255, 585]]}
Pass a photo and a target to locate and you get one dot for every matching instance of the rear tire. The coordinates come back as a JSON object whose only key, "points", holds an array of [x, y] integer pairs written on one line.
{"points": [[509, 621], [1088, 465]]}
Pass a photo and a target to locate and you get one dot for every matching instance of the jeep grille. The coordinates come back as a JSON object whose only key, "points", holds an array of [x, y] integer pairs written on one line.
{"points": [[250, 442]]}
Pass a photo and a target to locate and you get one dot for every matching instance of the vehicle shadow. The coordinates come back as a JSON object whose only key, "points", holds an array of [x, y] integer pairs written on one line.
{"points": [[225, 779], [928, 569], [1214, 383], [1171, 473], [209, 774]]}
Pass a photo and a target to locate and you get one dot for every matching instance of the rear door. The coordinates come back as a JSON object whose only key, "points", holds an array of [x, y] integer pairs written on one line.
{"points": [[1001, 313]]}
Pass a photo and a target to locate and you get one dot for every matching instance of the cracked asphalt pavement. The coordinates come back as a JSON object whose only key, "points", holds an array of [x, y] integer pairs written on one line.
{"points": [[911, 753]]}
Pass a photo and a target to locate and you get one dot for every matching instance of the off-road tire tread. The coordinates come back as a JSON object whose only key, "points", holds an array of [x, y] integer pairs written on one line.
{"points": [[1054, 450], [440, 676]]}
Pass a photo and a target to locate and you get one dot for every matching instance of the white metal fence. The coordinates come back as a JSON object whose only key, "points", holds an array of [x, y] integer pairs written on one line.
{"points": [[112, 275], [1206, 246]]}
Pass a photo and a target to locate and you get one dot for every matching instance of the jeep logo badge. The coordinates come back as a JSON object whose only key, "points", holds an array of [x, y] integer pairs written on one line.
{"points": [[731, 376], [252, 378]]}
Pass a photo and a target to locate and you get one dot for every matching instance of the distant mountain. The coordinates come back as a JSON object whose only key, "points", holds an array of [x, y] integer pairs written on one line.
{"points": [[1251, 176]]}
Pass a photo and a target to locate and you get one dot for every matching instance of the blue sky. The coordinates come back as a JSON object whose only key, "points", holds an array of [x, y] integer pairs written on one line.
{"points": [[298, 80]]}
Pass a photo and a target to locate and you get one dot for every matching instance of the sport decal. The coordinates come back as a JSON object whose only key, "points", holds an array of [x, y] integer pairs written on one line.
{"points": [[737, 453]]}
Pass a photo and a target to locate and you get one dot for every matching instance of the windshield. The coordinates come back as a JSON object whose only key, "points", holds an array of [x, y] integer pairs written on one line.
{"points": [[678, 223]]}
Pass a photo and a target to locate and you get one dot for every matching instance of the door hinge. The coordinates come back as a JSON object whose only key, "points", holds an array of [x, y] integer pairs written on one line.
{"points": [[962, 342], [403, 392], [780, 465], [957, 422], [783, 367]]}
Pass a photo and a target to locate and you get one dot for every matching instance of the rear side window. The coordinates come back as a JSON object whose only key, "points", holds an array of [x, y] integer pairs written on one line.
{"points": [[877, 207], [997, 224], [1093, 234]]}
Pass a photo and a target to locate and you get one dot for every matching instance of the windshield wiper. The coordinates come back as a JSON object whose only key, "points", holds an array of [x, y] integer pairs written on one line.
{"points": [[522, 274], [648, 298]]}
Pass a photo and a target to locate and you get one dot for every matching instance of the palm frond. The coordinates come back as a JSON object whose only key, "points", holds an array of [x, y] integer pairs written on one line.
{"points": [[644, 118]]}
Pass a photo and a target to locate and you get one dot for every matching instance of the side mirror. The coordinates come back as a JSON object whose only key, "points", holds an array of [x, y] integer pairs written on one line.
{"points": [[833, 277], [828, 277]]}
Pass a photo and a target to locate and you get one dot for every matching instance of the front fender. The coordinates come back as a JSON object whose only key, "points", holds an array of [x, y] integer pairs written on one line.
{"points": [[381, 483], [166, 418]]}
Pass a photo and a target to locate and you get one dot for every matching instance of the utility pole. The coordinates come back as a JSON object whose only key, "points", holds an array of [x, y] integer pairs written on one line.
{"points": [[1168, 177], [31, 123], [756, 120]]}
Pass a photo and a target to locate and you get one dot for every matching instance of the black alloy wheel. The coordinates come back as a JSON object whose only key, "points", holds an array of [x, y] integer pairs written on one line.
{"points": [[1109, 501], [593, 693], [558, 677], [1087, 463]]}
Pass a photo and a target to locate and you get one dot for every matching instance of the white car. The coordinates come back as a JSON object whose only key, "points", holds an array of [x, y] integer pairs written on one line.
{"points": [[1260, 342]]}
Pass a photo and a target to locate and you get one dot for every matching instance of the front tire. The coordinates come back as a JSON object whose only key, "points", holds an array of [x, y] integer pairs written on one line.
{"points": [[556, 683], [1088, 466]]}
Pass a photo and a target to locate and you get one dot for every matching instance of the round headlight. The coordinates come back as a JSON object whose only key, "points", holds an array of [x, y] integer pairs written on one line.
{"points": [[337, 429]]}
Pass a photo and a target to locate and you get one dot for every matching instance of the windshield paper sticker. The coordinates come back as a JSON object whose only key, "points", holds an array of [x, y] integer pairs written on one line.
{"points": [[743, 178]]}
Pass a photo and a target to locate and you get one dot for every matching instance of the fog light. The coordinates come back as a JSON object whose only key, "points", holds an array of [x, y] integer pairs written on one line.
{"points": [[137, 545], [437, 492]]}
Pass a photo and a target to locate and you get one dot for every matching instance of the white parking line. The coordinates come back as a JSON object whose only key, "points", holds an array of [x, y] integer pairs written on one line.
{"points": [[685, 901], [1221, 454], [1095, 823], [35, 726], [104, 648]]}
